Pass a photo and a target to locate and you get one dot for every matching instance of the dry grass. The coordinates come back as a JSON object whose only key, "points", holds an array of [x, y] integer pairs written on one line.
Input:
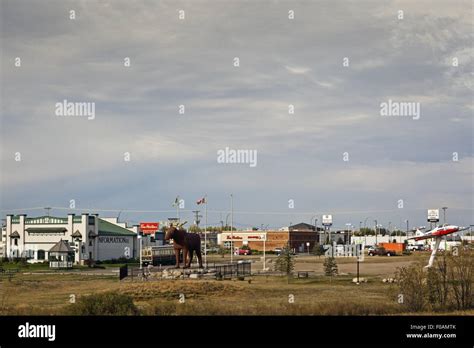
{"points": [[50, 295]]}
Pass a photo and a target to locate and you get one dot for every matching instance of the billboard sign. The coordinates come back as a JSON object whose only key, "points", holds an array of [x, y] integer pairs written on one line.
{"points": [[149, 227], [327, 220], [246, 237], [433, 215]]}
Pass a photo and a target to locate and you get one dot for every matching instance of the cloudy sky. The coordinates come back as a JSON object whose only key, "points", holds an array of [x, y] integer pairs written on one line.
{"points": [[283, 61]]}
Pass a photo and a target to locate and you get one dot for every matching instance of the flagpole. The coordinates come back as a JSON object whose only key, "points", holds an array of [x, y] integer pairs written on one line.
{"points": [[231, 228], [177, 208], [205, 232]]}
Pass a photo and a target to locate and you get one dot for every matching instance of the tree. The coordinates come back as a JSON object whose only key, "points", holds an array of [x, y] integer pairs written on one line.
{"points": [[318, 250], [195, 229], [330, 266], [285, 262], [221, 251], [365, 231]]}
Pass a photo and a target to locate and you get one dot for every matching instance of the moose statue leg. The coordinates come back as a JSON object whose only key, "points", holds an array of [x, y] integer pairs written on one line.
{"points": [[198, 254], [176, 254], [191, 254], [185, 257]]}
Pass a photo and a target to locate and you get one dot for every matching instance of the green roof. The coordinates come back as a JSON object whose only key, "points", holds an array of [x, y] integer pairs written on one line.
{"points": [[109, 229]]}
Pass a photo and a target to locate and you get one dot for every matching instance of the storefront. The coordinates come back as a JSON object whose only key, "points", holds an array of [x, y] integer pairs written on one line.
{"points": [[88, 236]]}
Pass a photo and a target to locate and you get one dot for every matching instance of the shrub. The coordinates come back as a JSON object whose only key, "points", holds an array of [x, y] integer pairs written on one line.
{"points": [[285, 262], [412, 286], [437, 284], [318, 250], [460, 276], [444, 286], [330, 267], [108, 303]]}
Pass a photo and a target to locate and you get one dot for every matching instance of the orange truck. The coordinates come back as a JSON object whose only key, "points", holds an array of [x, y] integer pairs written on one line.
{"points": [[393, 248]]}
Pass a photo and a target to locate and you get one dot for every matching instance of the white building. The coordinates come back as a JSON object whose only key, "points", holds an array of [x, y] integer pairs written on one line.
{"points": [[91, 237]]}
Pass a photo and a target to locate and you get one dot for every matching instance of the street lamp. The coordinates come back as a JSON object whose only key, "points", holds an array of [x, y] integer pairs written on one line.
{"points": [[348, 226], [140, 250]]}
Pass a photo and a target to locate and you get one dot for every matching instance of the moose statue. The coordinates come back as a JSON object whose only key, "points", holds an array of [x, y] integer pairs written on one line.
{"points": [[188, 242]]}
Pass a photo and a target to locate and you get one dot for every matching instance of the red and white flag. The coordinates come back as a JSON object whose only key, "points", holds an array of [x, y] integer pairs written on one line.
{"points": [[201, 201]]}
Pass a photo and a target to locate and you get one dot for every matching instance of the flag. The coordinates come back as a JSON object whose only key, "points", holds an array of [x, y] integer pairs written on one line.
{"points": [[201, 201], [176, 201]]}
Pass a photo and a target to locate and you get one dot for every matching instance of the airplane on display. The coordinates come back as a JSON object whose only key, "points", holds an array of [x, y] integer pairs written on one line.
{"points": [[437, 233]]}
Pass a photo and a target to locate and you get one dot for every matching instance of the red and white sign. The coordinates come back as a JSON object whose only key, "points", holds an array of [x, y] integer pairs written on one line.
{"points": [[244, 236], [149, 227]]}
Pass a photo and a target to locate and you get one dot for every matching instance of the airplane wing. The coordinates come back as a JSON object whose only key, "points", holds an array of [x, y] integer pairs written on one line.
{"points": [[422, 237]]}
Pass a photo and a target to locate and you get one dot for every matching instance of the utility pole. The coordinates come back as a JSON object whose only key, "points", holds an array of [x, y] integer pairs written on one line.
{"points": [[47, 210], [444, 214], [205, 232], [231, 228], [375, 232], [176, 204], [197, 216]]}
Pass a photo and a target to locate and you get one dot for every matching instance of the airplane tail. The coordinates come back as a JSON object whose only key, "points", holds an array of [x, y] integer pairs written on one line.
{"points": [[420, 231]]}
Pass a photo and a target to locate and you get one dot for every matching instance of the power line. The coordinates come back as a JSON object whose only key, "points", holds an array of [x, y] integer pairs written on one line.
{"points": [[226, 211]]}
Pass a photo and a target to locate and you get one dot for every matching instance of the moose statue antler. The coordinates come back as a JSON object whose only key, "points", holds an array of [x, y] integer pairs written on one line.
{"points": [[188, 242]]}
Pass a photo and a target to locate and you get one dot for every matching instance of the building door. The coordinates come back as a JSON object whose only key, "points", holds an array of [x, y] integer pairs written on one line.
{"points": [[40, 255]]}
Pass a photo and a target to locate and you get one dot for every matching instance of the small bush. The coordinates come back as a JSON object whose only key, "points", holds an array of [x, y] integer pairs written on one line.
{"points": [[108, 303], [412, 286], [446, 285], [330, 266], [285, 262]]}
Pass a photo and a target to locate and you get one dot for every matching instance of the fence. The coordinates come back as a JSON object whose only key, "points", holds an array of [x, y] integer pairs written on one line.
{"points": [[60, 264], [237, 269], [123, 272], [221, 271], [8, 273]]}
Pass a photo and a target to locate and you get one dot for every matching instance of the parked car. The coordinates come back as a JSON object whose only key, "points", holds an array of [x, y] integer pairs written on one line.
{"points": [[415, 247], [244, 252], [380, 251], [278, 251]]}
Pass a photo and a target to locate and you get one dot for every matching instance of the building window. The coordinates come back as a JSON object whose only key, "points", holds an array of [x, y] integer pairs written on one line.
{"points": [[90, 242], [41, 255], [91, 220], [15, 242]]}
